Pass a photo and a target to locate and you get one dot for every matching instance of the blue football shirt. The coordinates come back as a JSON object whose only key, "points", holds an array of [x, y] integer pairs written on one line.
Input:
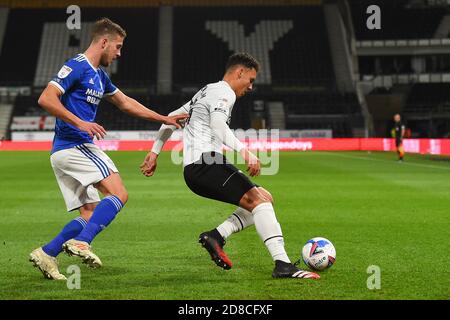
{"points": [[82, 87]]}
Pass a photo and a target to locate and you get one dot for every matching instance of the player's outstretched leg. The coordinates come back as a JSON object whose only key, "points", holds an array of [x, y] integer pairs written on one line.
{"points": [[103, 214], [237, 221], [47, 264], [213, 242], [269, 230], [44, 257]]}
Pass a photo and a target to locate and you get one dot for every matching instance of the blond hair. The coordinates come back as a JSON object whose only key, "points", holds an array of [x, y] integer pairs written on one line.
{"points": [[105, 26]]}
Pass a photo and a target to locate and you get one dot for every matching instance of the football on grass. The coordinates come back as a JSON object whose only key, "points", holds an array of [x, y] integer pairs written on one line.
{"points": [[319, 253]]}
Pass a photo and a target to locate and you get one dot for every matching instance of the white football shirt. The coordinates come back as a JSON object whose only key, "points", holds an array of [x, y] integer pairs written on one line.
{"points": [[198, 137]]}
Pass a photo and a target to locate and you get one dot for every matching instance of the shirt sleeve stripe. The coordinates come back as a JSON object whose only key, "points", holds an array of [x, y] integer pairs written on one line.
{"points": [[111, 93], [56, 84]]}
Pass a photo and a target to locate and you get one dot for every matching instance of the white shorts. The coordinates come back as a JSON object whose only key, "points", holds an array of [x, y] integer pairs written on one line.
{"points": [[77, 169]]}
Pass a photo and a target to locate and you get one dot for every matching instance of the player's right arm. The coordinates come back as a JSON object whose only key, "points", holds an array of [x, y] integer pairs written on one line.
{"points": [[148, 167], [50, 101], [68, 76]]}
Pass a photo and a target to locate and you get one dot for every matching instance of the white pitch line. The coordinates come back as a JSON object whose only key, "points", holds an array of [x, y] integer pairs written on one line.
{"points": [[386, 161]]}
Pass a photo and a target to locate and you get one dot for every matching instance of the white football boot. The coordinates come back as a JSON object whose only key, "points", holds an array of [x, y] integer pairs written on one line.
{"points": [[48, 265], [83, 250]]}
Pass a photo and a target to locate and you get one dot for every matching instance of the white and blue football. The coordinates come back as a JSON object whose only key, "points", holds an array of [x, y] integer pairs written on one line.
{"points": [[319, 253]]}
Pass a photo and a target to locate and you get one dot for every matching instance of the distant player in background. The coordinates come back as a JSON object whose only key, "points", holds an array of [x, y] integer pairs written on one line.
{"points": [[208, 173], [399, 132], [80, 167]]}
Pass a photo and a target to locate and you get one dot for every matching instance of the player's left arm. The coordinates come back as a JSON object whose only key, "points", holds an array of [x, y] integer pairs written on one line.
{"points": [[403, 131], [219, 113], [134, 108], [220, 127]]}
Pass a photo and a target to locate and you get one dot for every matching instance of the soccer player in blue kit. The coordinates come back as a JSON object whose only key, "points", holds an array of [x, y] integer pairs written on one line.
{"points": [[80, 167]]}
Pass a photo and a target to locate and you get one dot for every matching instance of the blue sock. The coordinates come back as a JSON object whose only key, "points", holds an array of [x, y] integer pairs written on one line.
{"points": [[104, 213], [70, 230]]}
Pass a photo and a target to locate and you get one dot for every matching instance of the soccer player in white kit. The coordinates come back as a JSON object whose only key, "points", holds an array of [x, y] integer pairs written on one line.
{"points": [[208, 173], [80, 167]]}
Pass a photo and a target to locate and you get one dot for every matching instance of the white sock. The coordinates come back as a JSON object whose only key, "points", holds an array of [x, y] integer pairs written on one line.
{"points": [[269, 231], [239, 220]]}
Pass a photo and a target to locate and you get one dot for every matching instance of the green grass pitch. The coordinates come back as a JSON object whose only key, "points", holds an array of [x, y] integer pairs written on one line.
{"points": [[375, 211]]}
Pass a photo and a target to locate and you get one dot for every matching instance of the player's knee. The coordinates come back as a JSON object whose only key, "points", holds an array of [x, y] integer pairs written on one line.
{"points": [[266, 194], [86, 215], [113, 185], [252, 199], [87, 210], [256, 203]]}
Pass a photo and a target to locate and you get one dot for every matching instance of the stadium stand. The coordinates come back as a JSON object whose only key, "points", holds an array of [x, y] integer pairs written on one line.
{"points": [[4, 12], [428, 110], [150, 3], [399, 20], [293, 59], [408, 72], [26, 105], [299, 61], [428, 98], [339, 112], [49, 43], [113, 119], [290, 40]]}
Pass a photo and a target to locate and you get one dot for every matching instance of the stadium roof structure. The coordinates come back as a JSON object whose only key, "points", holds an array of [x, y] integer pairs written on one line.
{"points": [[151, 3]]}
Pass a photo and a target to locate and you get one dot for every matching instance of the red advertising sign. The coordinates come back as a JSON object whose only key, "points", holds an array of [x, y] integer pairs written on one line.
{"points": [[423, 146]]}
